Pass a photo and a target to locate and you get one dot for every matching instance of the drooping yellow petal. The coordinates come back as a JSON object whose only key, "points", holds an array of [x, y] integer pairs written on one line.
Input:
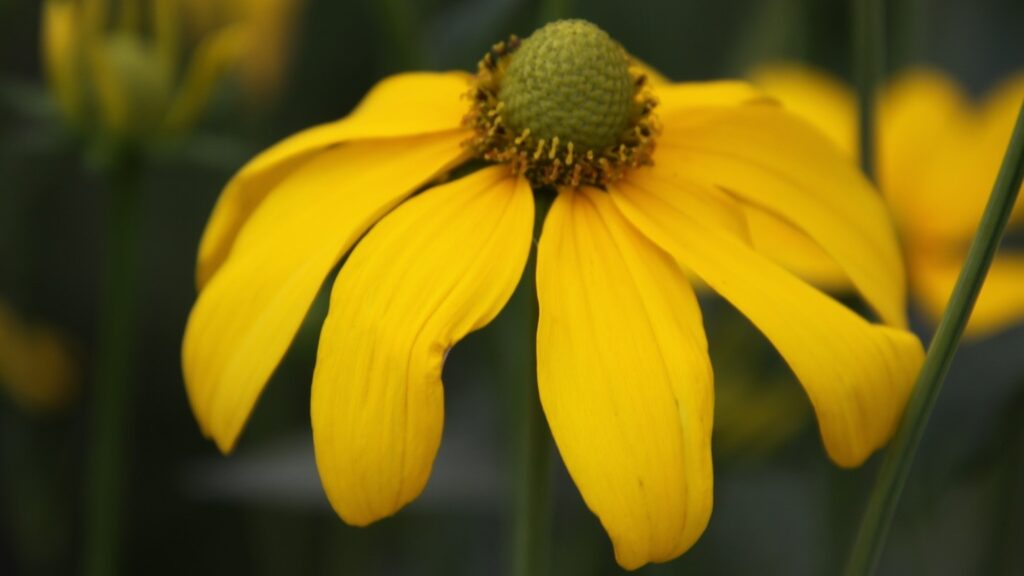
{"points": [[246, 317], [818, 98], [693, 97], [625, 378], [440, 266], [769, 158], [795, 251], [399, 106], [1000, 303], [858, 375]]}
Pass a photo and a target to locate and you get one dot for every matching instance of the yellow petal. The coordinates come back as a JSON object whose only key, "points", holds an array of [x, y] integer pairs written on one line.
{"points": [[768, 158], [925, 165], [440, 266], [816, 97], [246, 317], [1000, 304], [403, 105], [61, 52], [858, 375], [625, 378], [693, 97], [794, 251]]}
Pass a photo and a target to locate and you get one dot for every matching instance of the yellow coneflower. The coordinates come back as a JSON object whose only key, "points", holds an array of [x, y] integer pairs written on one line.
{"points": [[938, 156], [651, 182]]}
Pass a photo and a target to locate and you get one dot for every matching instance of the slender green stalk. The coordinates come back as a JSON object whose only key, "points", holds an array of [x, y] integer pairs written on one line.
{"points": [[869, 69], [867, 548], [114, 364], [533, 500]]}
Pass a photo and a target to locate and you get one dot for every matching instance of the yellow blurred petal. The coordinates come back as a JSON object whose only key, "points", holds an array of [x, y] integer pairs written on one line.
{"points": [[925, 165], [398, 106], [816, 97], [61, 39], [998, 113], [213, 57], [440, 266], [1000, 304], [858, 375], [625, 378], [769, 158], [246, 317], [272, 26]]}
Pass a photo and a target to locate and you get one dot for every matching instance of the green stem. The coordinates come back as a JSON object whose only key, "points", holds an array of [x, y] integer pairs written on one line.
{"points": [[869, 64], [533, 500], [113, 369], [892, 476]]}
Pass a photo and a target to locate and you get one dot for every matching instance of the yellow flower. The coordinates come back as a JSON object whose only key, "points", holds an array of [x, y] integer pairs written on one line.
{"points": [[938, 156], [37, 367], [145, 70], [641, 193]]}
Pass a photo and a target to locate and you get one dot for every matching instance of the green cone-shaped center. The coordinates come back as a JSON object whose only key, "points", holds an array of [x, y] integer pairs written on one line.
{"points": [[571, 80]]}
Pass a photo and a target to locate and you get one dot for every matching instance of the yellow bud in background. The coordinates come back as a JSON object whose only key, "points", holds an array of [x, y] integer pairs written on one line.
{"points": [[133, 91], [138, 72]]}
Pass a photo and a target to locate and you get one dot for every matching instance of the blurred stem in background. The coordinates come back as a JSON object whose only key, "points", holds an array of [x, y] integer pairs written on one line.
{"points": [[111, 393], [533, 499], [909, 22], [868, 34], [885, 495], [399, 19]]}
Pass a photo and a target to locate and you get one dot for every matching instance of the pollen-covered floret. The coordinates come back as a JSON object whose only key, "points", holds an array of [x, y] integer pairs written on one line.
{"points": [[562, 107]]}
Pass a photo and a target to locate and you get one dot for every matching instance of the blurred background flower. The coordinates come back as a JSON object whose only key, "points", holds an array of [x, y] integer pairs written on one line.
{"points": [[938, 155], [137, 70]]}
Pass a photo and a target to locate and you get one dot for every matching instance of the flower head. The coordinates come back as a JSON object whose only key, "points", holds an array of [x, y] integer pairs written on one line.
{"points": [[938, 156], [622, 363]]}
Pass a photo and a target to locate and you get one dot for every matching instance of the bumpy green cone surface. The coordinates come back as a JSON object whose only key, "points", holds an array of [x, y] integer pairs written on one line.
{"points": [[571, 80]]}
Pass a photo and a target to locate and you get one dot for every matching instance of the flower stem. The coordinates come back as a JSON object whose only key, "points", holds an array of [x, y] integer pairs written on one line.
{"points": [[869, 64], [885, 495], [113, 369], [533, 500]]}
